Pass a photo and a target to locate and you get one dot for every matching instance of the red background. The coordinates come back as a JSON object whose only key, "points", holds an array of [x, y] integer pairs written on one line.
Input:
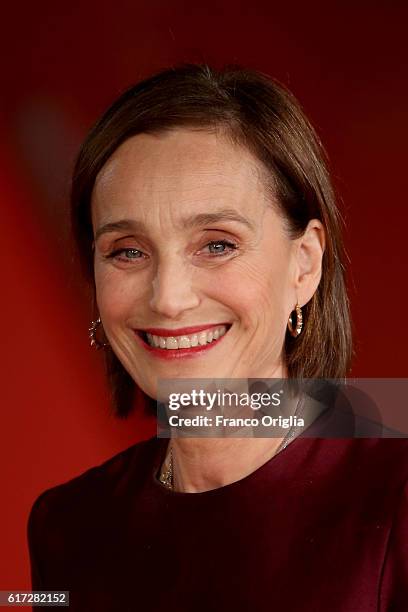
{"points": [[61, 66]]}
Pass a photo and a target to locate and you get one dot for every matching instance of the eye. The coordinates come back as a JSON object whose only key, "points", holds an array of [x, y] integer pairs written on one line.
{"points": [[216, 248], [126, 255], [219, 248]]}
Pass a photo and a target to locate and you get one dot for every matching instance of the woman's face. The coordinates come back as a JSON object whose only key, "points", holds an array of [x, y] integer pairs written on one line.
{"points": [[186, 237]]}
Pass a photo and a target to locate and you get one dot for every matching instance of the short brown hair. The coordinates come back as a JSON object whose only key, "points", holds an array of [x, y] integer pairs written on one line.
{"points": [[261, 115]]}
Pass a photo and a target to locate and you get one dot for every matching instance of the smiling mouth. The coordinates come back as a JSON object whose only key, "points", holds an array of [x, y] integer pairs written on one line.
{"points": [[195, 341]]}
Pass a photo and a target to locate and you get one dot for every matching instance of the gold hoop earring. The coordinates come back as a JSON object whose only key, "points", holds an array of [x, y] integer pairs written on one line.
{"points": [[295, 329], [92, 335]]}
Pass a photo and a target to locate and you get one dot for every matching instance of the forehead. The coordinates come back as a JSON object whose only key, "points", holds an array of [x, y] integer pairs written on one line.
{"points": [[177, 170]]}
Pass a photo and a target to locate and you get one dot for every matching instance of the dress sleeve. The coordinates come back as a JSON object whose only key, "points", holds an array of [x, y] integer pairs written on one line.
{"points": [[36, 530], [394, 588]]}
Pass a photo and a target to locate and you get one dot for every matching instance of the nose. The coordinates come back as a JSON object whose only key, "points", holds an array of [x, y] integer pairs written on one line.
{"points": [[172, 290]]}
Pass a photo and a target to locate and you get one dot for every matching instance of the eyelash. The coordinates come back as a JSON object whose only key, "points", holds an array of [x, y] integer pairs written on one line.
{"points": [[231, 246]]}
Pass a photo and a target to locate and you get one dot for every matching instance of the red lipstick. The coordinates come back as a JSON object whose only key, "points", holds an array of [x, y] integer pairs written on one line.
{"points": [[164, 353], [180, 331]]}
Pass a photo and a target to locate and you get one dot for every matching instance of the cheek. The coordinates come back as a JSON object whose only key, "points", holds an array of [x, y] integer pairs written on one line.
{"points": [[257, 289], [117, 293]]}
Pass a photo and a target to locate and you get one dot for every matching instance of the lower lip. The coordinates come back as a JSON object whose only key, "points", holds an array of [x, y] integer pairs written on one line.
{"points": [[194, 351]]}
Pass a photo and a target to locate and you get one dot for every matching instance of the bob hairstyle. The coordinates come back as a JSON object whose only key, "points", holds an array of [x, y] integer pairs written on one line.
{"points": [[259, 114]]}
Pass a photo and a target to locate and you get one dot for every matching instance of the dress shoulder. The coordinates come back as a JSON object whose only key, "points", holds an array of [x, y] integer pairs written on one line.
{"points": [[58, 510], [108, 473]]}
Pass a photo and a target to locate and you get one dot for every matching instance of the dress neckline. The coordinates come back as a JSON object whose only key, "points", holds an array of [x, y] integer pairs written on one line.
{"points": [[295, 443], [227, 489]]}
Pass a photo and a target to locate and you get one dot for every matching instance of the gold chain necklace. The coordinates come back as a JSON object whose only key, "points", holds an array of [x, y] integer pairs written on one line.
{"points": [[166, 477]]}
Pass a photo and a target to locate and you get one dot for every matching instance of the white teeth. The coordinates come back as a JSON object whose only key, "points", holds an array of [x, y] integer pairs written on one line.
{"points": [[176, 342], [202, 338], [184, 342], [171, 343]]}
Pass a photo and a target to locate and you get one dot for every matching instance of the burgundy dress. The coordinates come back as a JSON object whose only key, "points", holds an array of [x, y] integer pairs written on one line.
{"points": [[321, 526]]}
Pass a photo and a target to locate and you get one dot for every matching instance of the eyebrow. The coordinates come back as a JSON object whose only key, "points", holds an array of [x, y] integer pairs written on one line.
{"points": [[194, 220]]}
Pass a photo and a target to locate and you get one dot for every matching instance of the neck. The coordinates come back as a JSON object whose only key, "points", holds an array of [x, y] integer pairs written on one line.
{"points": [[204, 464]]}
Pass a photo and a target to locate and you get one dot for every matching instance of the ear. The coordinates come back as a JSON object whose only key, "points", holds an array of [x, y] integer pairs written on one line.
{"points": [[309, 254]]}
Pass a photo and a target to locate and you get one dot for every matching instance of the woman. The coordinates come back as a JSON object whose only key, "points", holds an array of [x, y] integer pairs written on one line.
{"points": [[207, 225]]}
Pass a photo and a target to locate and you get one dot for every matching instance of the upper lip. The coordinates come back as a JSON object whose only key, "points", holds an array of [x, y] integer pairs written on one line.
{"points": [[181, 331]]}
